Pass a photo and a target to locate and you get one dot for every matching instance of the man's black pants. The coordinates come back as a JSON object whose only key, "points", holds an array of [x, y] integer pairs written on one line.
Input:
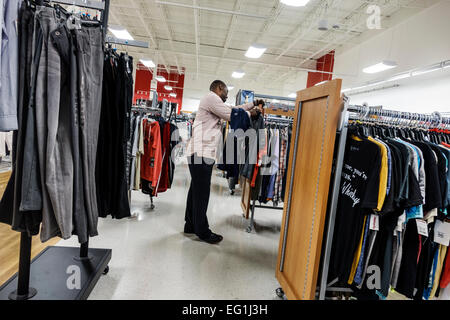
{"points": [[198, 197]]}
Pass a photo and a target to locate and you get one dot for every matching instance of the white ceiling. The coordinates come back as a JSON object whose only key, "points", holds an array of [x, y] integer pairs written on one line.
{"points": [[210, 42]]}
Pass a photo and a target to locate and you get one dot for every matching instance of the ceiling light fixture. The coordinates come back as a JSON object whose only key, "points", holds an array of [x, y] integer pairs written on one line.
{"points": [[238, 74], [323, 25], [255, 51], [148, 63], [160, 79], [292, 95], [295, 3], [379, 67], [168, 88], [230, 88], [120, 33]]}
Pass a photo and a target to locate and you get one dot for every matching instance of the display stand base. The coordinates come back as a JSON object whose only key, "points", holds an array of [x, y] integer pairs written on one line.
{"points": [[57, 273]]}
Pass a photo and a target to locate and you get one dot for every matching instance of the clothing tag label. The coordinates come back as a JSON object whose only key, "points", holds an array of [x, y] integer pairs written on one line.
{"points": [[422, 227], [442, 233], [374, 222], [402, 218]]}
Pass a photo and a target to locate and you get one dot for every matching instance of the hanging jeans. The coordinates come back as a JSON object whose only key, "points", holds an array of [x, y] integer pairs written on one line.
{"points": [[90, 58], [63, 41], [53, 133], [198, 196], [10, 212]]}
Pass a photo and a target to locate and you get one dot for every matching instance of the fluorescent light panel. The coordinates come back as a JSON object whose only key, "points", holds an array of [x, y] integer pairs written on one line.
{"points": [[230, 88], [148, 63], [255, 51], [121, 33], [379, 67], [295, 3], [238, 74], [292, 95]]}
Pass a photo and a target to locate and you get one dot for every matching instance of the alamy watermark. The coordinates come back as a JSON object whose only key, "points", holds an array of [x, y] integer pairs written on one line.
{"points": [[73, 282], [374, 19]]}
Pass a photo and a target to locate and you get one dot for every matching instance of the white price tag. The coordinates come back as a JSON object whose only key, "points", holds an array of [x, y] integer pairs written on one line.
{"points": [[374, 222], [422, 227], [402, 218], [442, 233]]}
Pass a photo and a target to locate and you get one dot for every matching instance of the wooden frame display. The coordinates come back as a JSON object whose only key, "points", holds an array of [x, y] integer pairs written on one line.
{"points": [[308, 180], [4, 178]]}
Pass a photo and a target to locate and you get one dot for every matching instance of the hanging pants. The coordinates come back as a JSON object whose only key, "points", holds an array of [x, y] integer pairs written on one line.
{"points": [[198, 196]]}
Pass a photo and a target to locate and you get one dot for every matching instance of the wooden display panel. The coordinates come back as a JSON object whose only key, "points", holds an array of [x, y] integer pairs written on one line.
{"points": [[4, 178], [320, 109], [9, 253]]}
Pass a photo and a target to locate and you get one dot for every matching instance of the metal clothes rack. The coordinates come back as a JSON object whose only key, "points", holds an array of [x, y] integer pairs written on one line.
{"points": [[273, 117], [91, 263], [357, 112], [131, 43], [143, 110]]}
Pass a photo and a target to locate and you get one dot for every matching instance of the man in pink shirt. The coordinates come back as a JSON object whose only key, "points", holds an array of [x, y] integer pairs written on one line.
{"points": [[206, 135]]}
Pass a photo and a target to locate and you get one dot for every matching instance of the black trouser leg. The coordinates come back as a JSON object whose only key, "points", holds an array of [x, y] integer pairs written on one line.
{"points": [[188, 215], [198, 198]]}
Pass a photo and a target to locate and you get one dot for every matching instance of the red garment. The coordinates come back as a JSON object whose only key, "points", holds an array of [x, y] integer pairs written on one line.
{"points": [[445, 277], [261, 154], [152, 158], [446, 145], [164, 179]]}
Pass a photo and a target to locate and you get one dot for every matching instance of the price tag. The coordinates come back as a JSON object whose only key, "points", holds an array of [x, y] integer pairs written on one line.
{"points": [[442, 233], [402, 218], [374, 222], [422, 227]]}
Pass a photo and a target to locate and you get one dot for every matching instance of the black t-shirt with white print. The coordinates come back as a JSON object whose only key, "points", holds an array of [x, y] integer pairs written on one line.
{"points": [[358, 195]]}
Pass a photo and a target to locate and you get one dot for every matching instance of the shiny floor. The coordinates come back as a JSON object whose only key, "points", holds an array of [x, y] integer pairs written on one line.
{"points": [[153, 259]]}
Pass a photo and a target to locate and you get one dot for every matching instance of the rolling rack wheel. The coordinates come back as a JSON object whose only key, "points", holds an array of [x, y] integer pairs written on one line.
{"points": [[152, 206], [105, 272], [280, 292]]}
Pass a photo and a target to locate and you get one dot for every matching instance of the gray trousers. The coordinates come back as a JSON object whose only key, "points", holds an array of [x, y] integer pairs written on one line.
{"points": [[90, 58], [52, 128]]}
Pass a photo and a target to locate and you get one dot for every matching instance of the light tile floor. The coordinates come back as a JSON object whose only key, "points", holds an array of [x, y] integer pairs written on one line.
{"points": [[153, 259]]}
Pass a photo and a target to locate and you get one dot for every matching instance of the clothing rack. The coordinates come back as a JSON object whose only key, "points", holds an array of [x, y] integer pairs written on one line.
{"points": [[130, 43], [273, 117], [371, 114], [143, 110], [91, 263]]}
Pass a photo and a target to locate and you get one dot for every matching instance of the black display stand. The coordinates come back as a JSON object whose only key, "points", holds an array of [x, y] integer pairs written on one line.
{"points": [[52, 270]]}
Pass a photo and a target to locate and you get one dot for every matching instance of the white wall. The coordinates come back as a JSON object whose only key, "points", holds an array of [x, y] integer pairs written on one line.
{"points": [[420, 41], [190, 104], [420, 95]]}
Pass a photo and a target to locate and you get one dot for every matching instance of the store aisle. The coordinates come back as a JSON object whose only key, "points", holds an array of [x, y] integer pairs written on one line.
{"points": [[153, 259]]}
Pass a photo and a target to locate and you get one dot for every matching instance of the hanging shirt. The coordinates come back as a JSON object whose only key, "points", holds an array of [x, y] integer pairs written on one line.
{"points": [[383, 174], [152, 157], [9, 65], [360, 186]]}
